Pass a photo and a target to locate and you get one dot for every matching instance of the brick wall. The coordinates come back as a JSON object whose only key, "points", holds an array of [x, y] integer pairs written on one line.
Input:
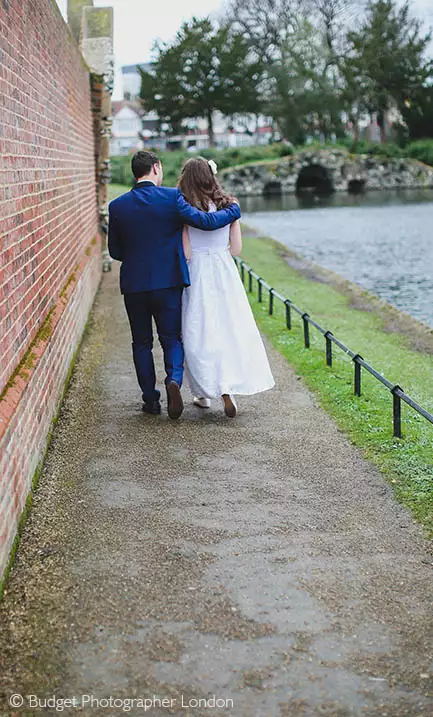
{"points": [[49, 242]]}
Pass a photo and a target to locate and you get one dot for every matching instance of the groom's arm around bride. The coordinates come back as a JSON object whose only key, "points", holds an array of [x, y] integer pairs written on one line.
{"points": [[206, 220]]}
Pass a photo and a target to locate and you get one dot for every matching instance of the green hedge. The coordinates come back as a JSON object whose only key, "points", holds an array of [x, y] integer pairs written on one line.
{"points": [[421, 149], [173, 161], [376, 148]]}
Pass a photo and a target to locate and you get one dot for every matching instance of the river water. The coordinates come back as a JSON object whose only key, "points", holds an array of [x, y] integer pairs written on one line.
{"points": [[381, 240]]}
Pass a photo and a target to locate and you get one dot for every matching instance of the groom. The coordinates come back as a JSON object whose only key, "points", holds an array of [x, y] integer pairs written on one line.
{"points": [[145, 234]]}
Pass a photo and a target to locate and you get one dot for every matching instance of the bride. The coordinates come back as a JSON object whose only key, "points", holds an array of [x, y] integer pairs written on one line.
{"points": [[224, 353]]}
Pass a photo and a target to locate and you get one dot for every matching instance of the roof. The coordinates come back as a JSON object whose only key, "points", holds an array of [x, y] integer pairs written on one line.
{"points": [[118, 105], [132, 69]]}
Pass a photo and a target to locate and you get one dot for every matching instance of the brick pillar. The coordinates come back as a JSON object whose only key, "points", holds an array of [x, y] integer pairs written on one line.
{"points": [[97, 50], [75, 12]]}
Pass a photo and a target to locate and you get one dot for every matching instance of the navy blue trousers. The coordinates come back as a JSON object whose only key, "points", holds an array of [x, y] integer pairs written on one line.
{"points": [[165, 306]]}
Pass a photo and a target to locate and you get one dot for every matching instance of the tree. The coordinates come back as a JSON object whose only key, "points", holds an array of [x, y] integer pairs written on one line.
{"points": [[268, 25], [203, 70], [386, 59], [417, 114], [296, 41], [306, 98], [334, 16]]}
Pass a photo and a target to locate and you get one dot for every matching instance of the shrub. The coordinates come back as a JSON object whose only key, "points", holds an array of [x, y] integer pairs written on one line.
{"points": [[421, 150], [121, 170], [376, 148], [173, 161]]}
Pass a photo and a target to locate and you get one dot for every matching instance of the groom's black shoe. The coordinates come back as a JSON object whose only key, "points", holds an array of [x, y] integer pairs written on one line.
{"points": [[174, 400], [152, 407]]}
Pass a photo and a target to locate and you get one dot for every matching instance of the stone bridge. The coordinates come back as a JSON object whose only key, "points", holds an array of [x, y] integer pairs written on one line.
{"points": [[324, 172]]}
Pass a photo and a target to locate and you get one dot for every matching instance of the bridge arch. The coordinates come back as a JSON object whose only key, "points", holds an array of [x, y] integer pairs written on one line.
{"points": [[356, 186], [272, 189], [314, 179]]}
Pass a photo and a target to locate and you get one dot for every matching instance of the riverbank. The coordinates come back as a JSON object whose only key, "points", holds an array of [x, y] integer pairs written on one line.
{"points": [[382, 246], [398, 346]]}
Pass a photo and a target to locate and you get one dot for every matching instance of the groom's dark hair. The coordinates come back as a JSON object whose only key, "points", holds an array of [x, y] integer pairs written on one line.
{"points": [[142, 163]]}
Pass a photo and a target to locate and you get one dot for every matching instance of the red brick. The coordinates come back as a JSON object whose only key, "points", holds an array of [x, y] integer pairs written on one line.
{"points": [[48, 217]]}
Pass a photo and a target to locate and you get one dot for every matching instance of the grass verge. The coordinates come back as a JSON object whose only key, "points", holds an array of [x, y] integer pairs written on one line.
{"points": [[115, 190], [407, 463]]}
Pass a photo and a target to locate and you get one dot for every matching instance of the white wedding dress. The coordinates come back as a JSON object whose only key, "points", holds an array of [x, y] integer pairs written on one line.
{"points": [[224, 352]]}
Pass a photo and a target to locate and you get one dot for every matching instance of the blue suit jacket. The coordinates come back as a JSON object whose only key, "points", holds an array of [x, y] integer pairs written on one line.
{"points": [[145, 234]]}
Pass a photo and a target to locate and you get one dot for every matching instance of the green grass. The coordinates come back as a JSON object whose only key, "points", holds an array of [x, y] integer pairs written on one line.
{"points": [[114, 190], [406, 463]]}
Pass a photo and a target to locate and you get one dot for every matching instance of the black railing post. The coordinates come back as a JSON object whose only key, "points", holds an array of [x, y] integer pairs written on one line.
{"points": [[396, 411], [288, 314], [328, 348], [357, 377], [397, 392], [305, 318]]}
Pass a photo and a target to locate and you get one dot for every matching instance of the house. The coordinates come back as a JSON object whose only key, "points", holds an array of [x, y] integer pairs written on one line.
{"points": [[127, 127], [238, 131], [133, 128], [372, 131]]}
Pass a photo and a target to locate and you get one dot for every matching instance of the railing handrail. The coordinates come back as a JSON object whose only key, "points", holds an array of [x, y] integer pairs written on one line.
{"points": [[397, 392]]}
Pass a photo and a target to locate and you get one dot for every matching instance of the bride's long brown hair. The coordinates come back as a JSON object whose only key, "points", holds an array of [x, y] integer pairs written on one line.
{"points": [[199, 185]]}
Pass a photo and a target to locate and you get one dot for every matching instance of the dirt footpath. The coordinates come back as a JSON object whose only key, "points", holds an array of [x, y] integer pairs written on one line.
{"points": [[259, 565]]}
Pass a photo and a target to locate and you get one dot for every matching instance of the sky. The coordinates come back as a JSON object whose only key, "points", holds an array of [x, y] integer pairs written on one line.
{"points": [[137, 23]]}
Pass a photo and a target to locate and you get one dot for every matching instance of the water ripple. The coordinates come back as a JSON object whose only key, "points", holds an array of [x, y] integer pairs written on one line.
{"points": [[384, 244]]}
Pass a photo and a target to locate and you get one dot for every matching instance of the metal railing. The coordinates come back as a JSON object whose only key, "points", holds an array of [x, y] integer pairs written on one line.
{"points": [[398, 395]]}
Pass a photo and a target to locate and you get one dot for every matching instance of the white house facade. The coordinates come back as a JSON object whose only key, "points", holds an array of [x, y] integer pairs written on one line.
{"points": [[127, 128]]}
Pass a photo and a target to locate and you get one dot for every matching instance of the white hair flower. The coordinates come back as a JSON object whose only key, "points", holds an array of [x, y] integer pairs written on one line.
{"points": [[213, 166]]}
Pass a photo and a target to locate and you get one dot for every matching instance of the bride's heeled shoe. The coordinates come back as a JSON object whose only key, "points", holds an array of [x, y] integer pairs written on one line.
{"points": [[201, 402], [230, 407]]}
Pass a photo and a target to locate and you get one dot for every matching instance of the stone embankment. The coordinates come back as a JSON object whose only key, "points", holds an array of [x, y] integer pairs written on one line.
{"points": [[326, 171]]}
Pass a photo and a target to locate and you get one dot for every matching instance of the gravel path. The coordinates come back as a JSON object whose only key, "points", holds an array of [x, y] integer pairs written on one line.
{"points": [[261, 560]]}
